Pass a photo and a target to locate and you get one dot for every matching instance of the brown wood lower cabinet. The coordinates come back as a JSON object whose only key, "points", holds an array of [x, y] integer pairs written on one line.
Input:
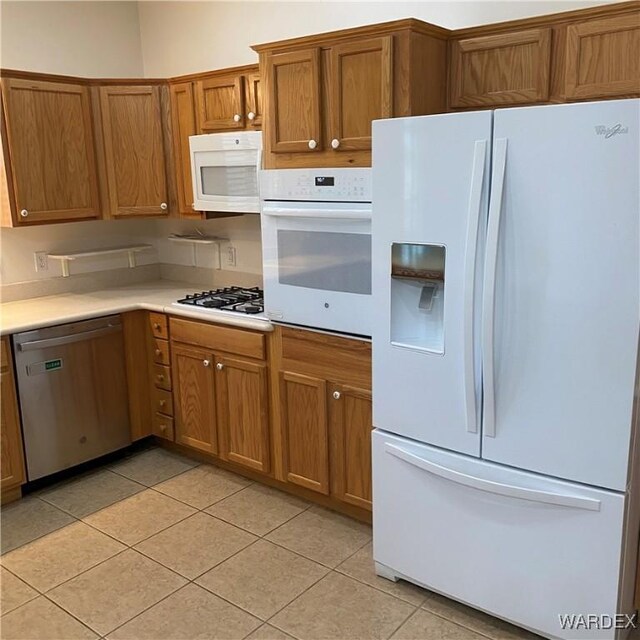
{"points": [[194, 403], [243, 412], [12, 469], [350, 423], [303, 408]]}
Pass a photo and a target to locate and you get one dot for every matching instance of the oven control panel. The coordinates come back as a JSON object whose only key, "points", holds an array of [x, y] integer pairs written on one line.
{"points": [[335, 185]]}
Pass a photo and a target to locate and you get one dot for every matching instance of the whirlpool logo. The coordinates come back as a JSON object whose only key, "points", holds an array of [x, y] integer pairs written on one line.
{"points": [[609, 132]]}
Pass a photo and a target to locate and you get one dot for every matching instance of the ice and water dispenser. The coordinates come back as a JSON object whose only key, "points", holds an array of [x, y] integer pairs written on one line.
{"points": [[417, 296]]}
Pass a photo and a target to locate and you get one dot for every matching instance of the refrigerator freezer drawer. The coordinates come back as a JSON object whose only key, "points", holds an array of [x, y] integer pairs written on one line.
{"points": [[522, 547]]}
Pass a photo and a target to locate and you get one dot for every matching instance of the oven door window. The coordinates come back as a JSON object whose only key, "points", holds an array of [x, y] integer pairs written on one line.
{"points": [[229, 181], [330, 261]]}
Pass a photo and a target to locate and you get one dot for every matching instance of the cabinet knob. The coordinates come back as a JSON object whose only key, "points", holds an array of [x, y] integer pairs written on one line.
{"points": [[24, 213], [158, 352], [335, 143], [251, 115], [163, 427], [206, 363], [219, 366], [312, 144], [163, 403], [336, 395], [160, 377], [237, 117], [156, 326], [164, 206]]}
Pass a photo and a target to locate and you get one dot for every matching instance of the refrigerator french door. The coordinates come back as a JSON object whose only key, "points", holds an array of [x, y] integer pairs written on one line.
{"points": [[507, 274]]}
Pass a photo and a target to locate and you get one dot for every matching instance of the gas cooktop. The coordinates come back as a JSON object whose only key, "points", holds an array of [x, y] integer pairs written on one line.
{"points": [[237, 299]]}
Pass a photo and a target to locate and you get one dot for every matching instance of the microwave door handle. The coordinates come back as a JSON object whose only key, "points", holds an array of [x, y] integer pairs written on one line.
{"points": [[333, 214]]}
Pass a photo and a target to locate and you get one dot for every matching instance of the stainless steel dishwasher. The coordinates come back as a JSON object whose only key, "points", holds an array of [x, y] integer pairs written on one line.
{"points": [[73, 393]]}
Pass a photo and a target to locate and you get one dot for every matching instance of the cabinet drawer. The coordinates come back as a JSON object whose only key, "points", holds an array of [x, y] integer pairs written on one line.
{"points": [[159, 325], [217, 338], [342, 360], [162, 376], [163, 426], [162, 401], [161, 351]]}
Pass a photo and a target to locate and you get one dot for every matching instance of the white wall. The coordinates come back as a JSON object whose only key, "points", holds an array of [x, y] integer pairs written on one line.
{"points": [[94, 39], [186, 37]]}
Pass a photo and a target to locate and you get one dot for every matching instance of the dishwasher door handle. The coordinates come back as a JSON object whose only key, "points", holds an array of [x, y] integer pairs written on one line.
{"points": [[70, 339]]}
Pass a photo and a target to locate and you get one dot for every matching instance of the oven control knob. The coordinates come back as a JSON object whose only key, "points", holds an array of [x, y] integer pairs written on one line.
{"points": [[251, 115], [335, 143], [336, 395], [237, 117], [312, 144], [219, 366]]}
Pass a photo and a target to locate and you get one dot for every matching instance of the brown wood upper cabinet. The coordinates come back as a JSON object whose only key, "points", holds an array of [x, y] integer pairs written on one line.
{"points": [[49, 152], [136, 151], [323, 92], [361, 90], [293, 85], [183, 125], [502, 69], [603, 57], [12, 463], [220, 103], [253, 100]]}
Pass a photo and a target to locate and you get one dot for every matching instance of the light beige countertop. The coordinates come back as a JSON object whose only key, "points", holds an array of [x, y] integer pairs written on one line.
{"points": [[158, 295]]}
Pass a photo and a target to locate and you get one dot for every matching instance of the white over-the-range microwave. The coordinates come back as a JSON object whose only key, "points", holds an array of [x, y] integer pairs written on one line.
{"points": [[224, 171], [316, 248]]}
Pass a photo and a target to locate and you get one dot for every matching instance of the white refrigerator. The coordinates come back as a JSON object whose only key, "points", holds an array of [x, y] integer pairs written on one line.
{"points": [[506, 289]]}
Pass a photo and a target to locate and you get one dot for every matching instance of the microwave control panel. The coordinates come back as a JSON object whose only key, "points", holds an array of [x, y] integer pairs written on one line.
{"points": [[323, 185]]}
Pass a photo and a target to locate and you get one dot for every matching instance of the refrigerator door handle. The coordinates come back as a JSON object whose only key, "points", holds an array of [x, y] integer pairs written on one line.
{"points": [[475, 203], [490, 486], [489, 284]]}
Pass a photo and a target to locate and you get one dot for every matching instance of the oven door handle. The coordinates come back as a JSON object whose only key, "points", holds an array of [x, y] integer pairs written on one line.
{"points": [[333, 214]]}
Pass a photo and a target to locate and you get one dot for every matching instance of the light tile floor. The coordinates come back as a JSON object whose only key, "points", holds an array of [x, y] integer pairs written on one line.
{"points": [[159, 547]]}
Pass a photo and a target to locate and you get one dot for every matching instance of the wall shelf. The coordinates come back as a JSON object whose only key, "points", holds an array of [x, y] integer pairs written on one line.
{"points": [[65, 258], [195, 239]]}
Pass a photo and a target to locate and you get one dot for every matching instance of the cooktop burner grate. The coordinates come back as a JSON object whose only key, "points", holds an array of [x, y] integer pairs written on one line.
{"points": [[238, 299]]}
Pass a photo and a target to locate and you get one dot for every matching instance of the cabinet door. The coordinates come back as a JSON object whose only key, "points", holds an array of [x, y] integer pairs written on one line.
{"points": [[293, 81], [361, 90], [50, 151], [243, 412], [134, 151], [183, 122], [194, 403], [253, 88], [351, 425], [603, 57], [303, 406], [220, 104], [503, 69], [10, 433]]}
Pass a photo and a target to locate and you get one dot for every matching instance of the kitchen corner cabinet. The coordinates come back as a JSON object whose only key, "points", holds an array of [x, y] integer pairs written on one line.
{"points": [[323, 92], [502, 69], [221, 394], [11, 450], [136, 150], [325, 414], [602, 57], [49, 152]]}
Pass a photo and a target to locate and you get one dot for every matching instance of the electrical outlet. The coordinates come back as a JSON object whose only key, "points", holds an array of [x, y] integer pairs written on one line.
{"points": [[231, 256], [42, 261]]}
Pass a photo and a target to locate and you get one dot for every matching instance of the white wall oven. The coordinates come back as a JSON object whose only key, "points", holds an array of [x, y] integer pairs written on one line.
{"points": [[316, 245], [224, 170]]}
